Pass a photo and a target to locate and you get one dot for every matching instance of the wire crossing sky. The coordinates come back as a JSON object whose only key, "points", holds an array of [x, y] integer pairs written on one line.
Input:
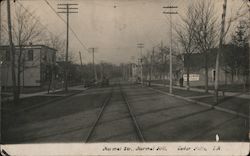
{"points": [[115, 27]]}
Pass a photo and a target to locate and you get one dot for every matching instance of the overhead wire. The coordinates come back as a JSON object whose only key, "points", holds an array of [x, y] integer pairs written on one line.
{"points": [[85, 47], [34, 17]]}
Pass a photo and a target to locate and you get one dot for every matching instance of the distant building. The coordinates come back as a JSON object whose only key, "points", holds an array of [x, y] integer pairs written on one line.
{"points": [[136, 71], [34, 69], [197, 68]]}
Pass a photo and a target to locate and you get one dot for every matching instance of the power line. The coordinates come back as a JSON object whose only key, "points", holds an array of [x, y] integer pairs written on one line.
{"points": [[46, 1], [34, 17]]}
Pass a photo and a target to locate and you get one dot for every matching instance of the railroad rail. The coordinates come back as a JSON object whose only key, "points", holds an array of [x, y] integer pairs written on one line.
{"points": [[104, 104], [130, 111]]}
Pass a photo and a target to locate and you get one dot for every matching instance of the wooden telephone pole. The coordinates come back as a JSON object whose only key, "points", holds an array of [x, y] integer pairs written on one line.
{"points": [[67, 9], [217, 72], [12, 53], [80, 55], [170, 54], [151, 65], [0, 22], [0, 76], [93, 61]]}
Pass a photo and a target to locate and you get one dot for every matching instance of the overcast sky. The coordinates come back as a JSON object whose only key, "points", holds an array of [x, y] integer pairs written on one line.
{"points": [[114, 27]]}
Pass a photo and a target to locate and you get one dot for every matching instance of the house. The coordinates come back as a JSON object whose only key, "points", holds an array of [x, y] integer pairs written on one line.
{"points": [[228, 61], [35, 60]]}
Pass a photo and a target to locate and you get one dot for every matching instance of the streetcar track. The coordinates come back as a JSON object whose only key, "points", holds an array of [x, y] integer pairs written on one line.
{"points": [[130, 115], [77, 128], [138, 130], [104, 104]]}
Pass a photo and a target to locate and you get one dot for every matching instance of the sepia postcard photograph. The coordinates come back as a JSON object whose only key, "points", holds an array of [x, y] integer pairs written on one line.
{"points": [[124, 77]]}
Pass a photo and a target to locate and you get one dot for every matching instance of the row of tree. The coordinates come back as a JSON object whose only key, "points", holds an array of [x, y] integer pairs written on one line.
{"points": [[198, 33]]}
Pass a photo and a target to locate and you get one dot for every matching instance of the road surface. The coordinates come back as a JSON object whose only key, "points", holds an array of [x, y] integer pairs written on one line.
{"points": [[152, 116]]}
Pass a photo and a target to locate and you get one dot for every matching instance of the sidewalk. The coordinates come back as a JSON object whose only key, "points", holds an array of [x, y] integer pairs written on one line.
{"points": [[38, 99], [234, 103], [226, 93], [42, 93]]}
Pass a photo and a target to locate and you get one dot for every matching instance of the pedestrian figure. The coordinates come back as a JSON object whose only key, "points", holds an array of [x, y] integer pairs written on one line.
{"points": [[181, 82], [217, 138]]}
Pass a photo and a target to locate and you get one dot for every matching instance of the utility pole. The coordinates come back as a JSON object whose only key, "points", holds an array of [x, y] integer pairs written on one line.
{"points": [[141, 45], [102, 71], [170, 54], [93, 61], [216, 84], [151, 66], [0, 75], [67, 9], [0, 22], [12, 53], [80, 56]]}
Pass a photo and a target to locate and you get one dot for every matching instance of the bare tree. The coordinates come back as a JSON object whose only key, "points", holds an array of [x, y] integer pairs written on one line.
{"points": [[26, 30], [240, 42], [186, 38], [55, 41], [205, 36]]}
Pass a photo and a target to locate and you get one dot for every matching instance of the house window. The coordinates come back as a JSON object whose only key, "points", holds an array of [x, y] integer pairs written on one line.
{"points": [[30, 55]]}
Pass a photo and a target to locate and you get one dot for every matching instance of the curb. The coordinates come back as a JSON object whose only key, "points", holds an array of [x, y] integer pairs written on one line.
{"points": [[204, 104]]}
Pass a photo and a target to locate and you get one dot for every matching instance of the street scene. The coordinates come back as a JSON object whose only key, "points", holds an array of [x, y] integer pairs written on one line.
{"points": [[79, 71]]}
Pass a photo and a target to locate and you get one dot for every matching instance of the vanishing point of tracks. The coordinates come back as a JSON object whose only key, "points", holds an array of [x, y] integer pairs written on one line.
{"points": [[107, 103]]}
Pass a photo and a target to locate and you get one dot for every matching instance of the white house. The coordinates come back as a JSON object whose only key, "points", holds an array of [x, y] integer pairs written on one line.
{"points": [[34, 61]]}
